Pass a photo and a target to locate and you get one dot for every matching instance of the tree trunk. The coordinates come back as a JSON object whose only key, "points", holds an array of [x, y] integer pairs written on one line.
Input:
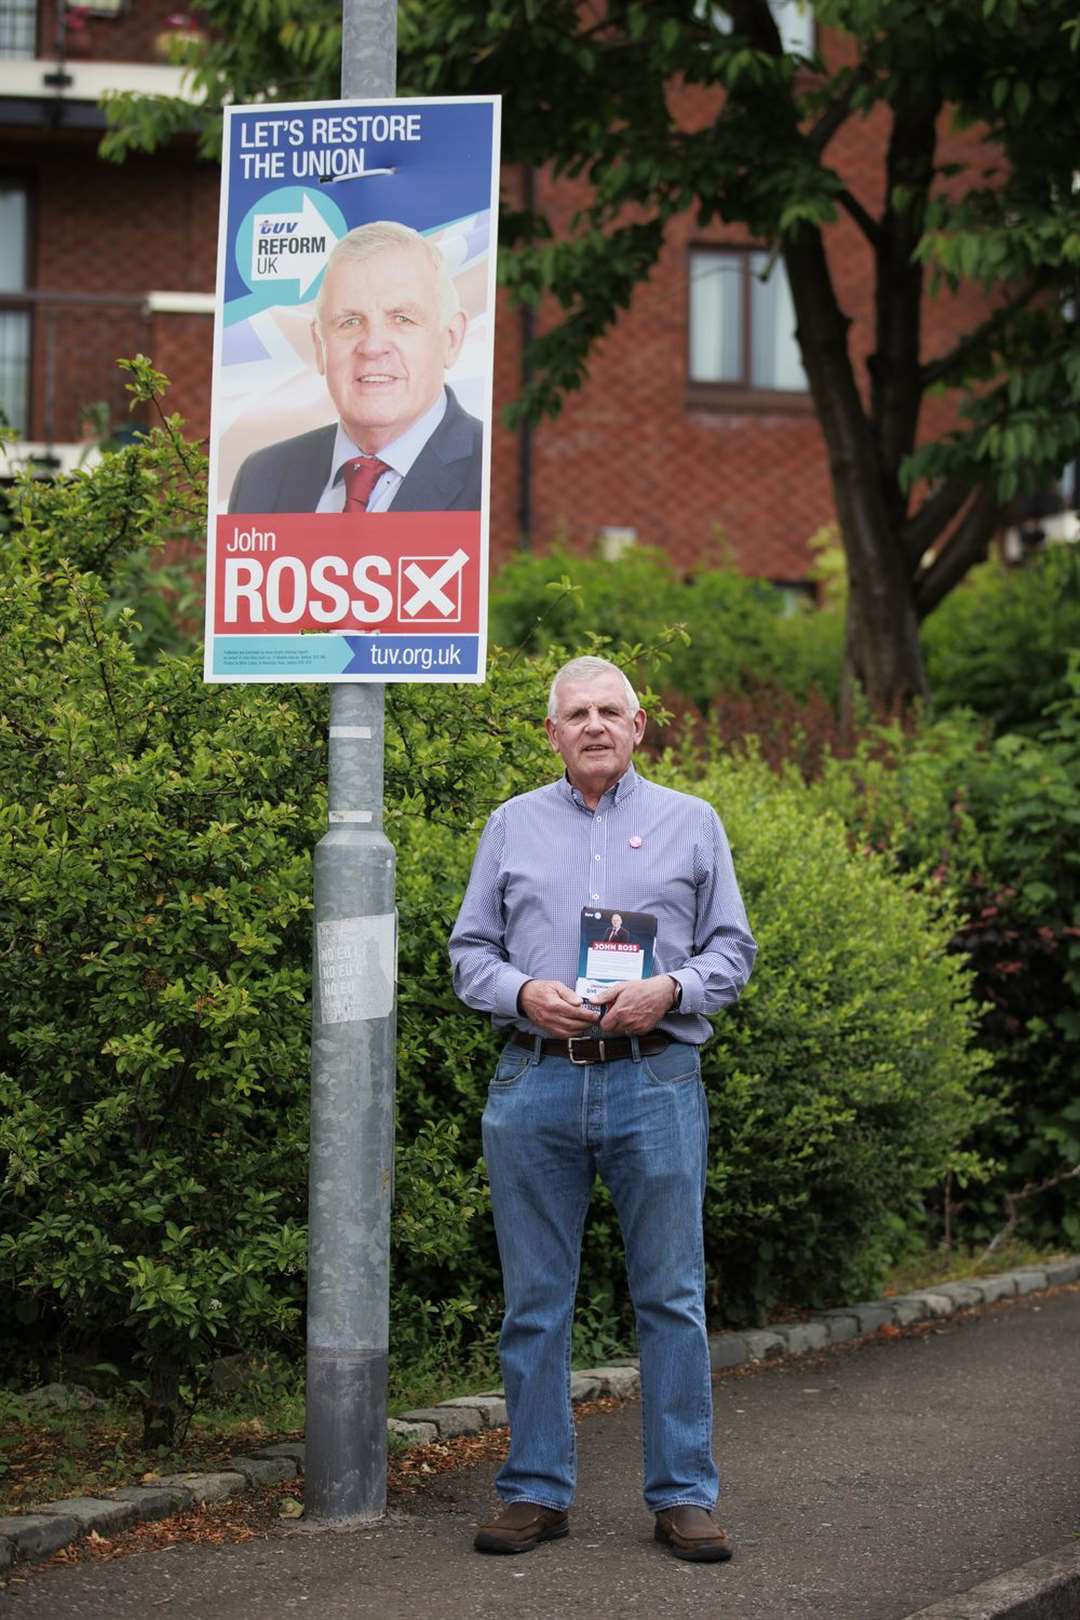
{"points": [[161, 1408], [882, 655]]}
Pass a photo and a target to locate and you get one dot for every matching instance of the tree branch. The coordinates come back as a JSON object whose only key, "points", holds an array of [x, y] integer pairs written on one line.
{"points": [[862, 217], [1029, 1190], [933, 516], [896, 386], [937, 370], [836, 115], [964, 548]]}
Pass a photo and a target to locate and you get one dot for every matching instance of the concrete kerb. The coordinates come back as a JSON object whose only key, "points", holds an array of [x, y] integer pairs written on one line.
{"points": [[1046, 1589], [53, 1525]]}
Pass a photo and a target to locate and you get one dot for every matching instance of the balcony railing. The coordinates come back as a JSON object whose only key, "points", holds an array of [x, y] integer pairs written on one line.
{"points": [[59, 363]]}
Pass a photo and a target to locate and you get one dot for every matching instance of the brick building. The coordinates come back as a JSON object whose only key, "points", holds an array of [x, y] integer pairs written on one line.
{"points": [[694, 427]]}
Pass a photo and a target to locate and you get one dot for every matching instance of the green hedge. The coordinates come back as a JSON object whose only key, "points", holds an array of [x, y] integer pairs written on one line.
{"points": [[1000, 642], [743, 636], [155, 839], [992, 821]]}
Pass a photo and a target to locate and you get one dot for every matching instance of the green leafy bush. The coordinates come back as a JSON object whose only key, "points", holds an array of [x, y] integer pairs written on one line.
{"points": [[844, 1083], [1000, 642], [993, 822], [743, 636], [155, 841]]}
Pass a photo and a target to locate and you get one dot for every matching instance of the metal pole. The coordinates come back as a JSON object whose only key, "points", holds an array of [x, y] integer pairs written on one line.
{"points": [[352, 1047]]}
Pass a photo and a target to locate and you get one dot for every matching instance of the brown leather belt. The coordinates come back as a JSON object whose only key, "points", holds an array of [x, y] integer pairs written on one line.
{"points": [[589, 1049]]}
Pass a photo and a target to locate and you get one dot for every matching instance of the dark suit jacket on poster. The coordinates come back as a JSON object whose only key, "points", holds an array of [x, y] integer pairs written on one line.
{"points": [[290, 476]]}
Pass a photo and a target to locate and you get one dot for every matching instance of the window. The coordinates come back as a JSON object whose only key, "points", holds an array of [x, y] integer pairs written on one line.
{"points": [[742, 322], [14, 323], [18, 28]]}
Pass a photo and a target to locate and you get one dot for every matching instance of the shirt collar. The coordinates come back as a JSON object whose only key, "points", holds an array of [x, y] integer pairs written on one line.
{"points": [[614, 795], [400, 453]]}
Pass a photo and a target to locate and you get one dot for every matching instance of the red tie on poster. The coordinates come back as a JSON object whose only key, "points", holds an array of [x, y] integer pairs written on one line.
{"points": [[361, 476]]}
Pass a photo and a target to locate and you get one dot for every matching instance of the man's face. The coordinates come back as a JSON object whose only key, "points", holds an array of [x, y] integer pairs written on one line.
{"points": [[616, 920], [381, 344], [594, 732]]}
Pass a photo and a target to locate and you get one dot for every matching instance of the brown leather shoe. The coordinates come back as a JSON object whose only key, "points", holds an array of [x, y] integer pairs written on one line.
{"points": [[691, 1534], [521, 1527]]}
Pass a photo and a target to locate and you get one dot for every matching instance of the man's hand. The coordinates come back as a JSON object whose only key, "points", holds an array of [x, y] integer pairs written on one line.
{"points": [[637, 1006], [555, 1008]]}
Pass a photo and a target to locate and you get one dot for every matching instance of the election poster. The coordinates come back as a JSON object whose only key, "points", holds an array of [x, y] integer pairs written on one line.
{"points": [[350, 443]]}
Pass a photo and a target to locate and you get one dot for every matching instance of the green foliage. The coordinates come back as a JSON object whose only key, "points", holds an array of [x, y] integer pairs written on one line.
{"points": [[741, 635], [1000, 644], [993, 822], [155, 852], [844, 1083]]}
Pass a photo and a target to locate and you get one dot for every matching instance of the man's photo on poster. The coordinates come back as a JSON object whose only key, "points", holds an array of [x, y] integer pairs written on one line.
{"points": [[364, 372]]}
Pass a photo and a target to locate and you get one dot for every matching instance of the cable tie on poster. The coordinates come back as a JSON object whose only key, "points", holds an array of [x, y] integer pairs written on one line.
{"points": [[339, 179]]}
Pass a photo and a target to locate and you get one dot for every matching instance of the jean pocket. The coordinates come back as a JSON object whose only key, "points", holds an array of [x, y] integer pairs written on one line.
{"points": [[674, 1066], [512, 1064]]}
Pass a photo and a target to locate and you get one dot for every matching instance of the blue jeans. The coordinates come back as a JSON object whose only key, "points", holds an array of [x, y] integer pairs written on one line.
{"points": [[549, 1126]]}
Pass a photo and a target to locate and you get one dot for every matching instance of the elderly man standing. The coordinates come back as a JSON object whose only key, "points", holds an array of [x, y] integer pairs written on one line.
{"points": [[612, 1086]]}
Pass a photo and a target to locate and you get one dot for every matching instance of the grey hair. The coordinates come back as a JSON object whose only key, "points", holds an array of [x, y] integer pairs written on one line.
{"points": [[378, 237], [589, 669]]}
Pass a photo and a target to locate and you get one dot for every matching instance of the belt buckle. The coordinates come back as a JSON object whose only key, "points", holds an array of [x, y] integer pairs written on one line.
{"points": [[583, 1062]]}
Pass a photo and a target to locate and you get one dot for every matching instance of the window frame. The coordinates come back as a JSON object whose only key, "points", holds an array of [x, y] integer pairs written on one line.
{"points": [[18, 301], [742, 394]]}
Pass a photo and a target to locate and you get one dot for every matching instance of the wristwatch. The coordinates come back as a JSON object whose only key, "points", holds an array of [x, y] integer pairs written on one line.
{"points": [[676, 1000]]}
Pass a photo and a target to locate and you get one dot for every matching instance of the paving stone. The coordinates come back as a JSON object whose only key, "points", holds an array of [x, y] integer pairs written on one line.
{"points": [[624, 1381], [36, 1535], [762, 1343], [964, 1293], [727, 1350], [872, 1314], [1063, 1271], [933, 1303], [154, 1501], [207, 1487], [841, 1325], [1002, 1286], [417, 1434], [492, 1408], [907, 1311], [287, 1448], [93, 1513], [804, 1336], [1029, 1281], [264, 1470], [585, 1386], [448, 1420]]}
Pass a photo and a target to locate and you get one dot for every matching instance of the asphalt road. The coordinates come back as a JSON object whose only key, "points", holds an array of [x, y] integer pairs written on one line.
{"points": [[860, 1484]]}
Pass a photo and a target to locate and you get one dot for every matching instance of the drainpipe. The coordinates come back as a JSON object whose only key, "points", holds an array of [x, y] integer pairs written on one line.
{"points": [[525, 431]]}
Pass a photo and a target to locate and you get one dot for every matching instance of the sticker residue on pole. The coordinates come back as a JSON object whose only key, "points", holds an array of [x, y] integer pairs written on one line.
{"points": [[356, 969]]}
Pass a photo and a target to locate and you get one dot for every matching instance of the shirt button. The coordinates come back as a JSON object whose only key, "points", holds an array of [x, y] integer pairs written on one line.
{"points": [[596, 897], [596, 857]]}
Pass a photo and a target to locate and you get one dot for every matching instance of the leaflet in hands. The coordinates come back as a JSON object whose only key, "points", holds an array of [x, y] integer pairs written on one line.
{"points": [[615, 946]]}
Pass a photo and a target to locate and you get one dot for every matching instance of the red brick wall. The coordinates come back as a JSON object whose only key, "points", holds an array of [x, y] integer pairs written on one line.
{"points": [[147, 226], [127, 38]]}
